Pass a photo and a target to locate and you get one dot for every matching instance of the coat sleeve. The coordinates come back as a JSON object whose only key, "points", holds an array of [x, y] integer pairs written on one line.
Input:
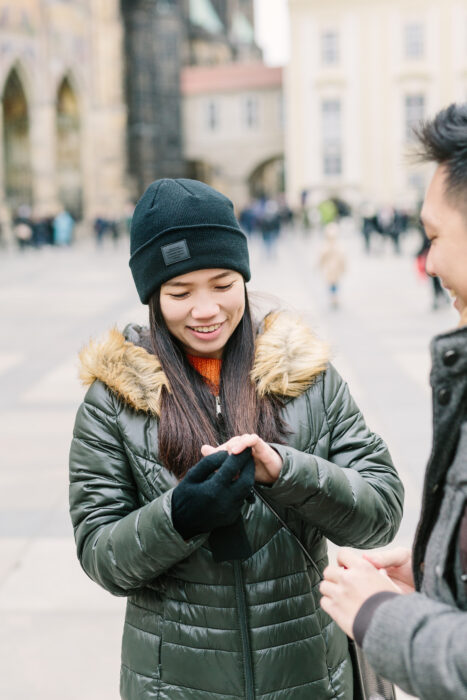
{"points": [[420, 644], [121, 545], [354, 495]]}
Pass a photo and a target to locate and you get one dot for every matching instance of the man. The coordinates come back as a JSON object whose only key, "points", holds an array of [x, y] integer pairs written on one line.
{"points": [[409, 611]]}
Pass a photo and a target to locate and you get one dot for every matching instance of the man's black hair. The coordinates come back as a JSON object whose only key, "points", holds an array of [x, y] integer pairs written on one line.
{"points": [[444, 141]]}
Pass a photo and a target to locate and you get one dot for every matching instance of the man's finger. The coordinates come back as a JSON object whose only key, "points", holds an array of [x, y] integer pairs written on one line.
{"points": [[332, 573], [328, 588], [393, 557], [348, 557]]}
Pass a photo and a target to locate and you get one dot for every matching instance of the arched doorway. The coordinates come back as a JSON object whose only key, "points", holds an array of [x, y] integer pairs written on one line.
{"points": [[267, 179], [200, 170], [68, 161], [16, 145]]}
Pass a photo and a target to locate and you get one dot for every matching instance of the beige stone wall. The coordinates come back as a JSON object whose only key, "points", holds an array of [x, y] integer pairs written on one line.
{"points": [[49, 40], [233, 150], [371, 79]]}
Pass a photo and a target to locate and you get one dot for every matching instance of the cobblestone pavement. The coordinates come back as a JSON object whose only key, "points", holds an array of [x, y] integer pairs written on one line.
{"points": [[59, 633]]}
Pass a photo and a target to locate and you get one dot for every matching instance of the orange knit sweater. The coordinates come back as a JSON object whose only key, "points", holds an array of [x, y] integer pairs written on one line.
{"points": [[210, 370]]}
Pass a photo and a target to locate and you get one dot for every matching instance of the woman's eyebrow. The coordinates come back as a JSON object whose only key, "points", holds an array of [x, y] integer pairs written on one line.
{"points": [[222, 274], [176, 284], [173, 283]]}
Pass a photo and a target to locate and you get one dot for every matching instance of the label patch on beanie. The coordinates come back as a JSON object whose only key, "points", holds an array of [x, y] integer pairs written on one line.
{"points": [[175, 252]]}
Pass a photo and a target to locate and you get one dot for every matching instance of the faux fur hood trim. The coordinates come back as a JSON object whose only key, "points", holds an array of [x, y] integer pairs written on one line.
{"points": [[127, 369], [288, 356], [288, 359]]}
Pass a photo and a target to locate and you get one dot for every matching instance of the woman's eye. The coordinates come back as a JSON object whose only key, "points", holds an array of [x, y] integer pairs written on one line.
{"points": [[179, 296], [224, 287]]}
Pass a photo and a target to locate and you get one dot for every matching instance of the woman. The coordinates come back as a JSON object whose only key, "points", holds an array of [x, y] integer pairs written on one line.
{"points": [[180, 421]]}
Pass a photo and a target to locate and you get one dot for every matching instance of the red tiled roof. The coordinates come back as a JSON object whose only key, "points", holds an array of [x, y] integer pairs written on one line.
{"points": [[196, 80]]}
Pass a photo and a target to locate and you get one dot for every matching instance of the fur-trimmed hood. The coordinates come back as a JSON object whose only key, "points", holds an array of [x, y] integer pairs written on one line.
{"points": [[288, 358]]}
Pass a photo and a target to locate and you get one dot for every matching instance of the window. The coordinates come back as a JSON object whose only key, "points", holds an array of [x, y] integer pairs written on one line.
{"points": [[212, 115], [414, 112], [414, 40], [331, 131], [250, 112], [329, 48]]}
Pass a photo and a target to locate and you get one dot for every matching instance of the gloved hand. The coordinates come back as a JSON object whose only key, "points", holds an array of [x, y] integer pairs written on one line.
{"points": [[230, 543], [206, 499]]}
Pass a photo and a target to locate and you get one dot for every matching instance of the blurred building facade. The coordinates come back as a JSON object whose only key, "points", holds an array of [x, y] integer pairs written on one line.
{"points": [[92, 100], [361, 74], [162, 37], [233, 127], [62, 107]]}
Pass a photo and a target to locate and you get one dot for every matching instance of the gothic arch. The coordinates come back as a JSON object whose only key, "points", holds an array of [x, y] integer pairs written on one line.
{"points": [[267, 177], [16, 142], [69, 147]]}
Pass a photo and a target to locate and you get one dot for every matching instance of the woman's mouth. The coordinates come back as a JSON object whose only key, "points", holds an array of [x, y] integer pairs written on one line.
{"points": [[207, 332]]}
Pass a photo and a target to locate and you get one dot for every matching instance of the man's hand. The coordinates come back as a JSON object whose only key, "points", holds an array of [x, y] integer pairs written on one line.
{"points": [[346, 587], [397, 564], [268, 462]]}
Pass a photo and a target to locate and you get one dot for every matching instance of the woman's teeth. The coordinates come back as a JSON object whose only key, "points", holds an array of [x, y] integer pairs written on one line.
{"points": [[206, 329]]}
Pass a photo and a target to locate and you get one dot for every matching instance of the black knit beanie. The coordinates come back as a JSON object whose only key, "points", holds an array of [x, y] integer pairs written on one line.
{"points": [[183, 225]]}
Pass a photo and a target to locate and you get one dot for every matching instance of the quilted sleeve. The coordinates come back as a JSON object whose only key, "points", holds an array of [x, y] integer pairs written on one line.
{"points": [[353, 493], [120, 545]]}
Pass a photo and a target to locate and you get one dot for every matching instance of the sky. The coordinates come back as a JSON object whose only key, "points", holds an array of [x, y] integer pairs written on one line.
{"points": [[272, 30]]}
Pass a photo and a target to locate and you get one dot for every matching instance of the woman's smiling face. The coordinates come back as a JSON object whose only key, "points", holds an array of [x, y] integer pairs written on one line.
{"points": [[203, 308]]}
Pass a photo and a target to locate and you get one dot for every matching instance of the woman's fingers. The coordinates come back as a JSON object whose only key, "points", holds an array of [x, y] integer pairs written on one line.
{"points": [[233, 446], [209, 450]]}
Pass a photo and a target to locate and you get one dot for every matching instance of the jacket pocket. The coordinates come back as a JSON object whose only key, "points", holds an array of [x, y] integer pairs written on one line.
{"points": [[142, 643]]}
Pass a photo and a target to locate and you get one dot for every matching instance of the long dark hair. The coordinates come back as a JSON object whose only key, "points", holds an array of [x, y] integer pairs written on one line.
{"points": [[188, 411]]}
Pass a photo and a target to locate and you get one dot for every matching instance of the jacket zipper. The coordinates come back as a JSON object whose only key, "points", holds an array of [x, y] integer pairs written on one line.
{"points": [[241, 602], [244, 634]]}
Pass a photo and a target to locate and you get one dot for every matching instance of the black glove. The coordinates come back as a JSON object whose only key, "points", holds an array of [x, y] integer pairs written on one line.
{"points": [[230, 543], [206, 499]]}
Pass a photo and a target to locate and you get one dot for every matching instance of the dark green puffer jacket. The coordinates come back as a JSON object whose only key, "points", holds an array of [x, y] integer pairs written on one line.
{"points": [[206, 631]]}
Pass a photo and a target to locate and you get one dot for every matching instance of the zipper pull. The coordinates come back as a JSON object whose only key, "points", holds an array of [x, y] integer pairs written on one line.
{"points": [[218, 407]]}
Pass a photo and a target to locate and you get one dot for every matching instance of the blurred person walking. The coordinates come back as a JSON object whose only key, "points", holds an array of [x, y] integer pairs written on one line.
{"points": [[193, 432], [409, 609], [332, 262], [270, 223], [63, 226]]}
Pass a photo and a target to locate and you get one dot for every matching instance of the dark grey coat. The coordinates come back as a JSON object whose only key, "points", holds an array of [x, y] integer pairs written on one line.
{"points": [[419, 641]]}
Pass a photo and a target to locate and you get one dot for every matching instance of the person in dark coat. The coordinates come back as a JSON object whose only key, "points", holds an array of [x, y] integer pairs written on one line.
{"points": [[409, 610], [190, 431]]}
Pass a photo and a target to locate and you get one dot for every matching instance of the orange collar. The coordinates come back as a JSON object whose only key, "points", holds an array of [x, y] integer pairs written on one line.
{"points": [[210, 369]]}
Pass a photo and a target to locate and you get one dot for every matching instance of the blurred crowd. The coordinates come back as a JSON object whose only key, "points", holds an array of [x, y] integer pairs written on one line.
{"points": [[265, 218], [382, 228], [31, 231]]}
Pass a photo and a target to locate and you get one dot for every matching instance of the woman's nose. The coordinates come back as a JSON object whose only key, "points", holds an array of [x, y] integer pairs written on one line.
{"points": [[205, 309]]}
